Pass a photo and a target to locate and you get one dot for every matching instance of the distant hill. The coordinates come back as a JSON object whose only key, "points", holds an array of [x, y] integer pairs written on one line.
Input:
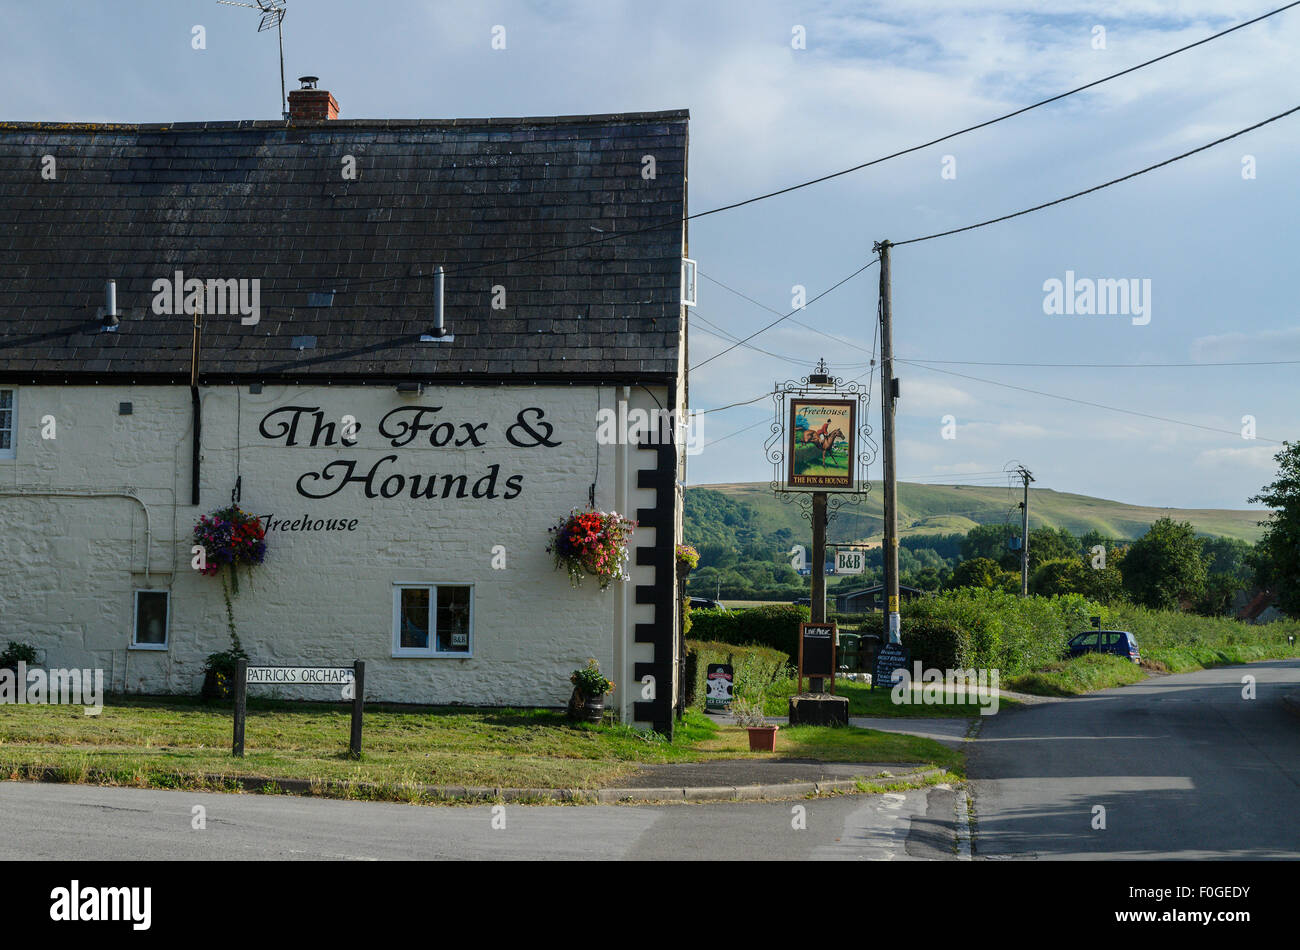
{"points": [[942, 509]]}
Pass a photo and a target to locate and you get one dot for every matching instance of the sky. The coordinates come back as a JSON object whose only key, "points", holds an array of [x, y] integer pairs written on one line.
{"points": [[1209, 236]]}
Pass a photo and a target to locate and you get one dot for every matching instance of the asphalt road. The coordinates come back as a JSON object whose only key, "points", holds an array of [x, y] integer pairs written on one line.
{"points": [[78, 823], [1184, 766]]}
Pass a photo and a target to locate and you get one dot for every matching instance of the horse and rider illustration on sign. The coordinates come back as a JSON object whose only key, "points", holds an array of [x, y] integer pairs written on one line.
{"points": [[822, 435]]}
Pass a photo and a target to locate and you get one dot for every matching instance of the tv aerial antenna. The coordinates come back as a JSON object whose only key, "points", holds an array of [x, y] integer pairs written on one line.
{"points": [[272, 16]]}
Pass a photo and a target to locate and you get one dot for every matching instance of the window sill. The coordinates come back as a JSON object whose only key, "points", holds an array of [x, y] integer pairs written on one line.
{"points": [[433, 656], [155, 647]]}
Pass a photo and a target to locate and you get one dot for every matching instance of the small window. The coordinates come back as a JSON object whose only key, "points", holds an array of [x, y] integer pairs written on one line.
{"points": [[8, 422], [689, 277], [433, 620], [152, 615]]}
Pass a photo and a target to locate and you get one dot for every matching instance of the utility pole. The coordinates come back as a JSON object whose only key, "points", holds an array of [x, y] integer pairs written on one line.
{"points": [[888, 393], [1025, 477]]}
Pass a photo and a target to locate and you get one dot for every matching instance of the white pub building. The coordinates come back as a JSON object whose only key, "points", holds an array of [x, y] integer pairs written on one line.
{"points": [[200, 313]]}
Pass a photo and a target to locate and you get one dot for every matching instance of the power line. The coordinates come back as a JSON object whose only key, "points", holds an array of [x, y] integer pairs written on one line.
{"points": [[1088, 191], [1083, 402], [676, 221], [1113, 365], [787, 316], [723, 334], [806, 326], [1021, 111], [737, 432]]}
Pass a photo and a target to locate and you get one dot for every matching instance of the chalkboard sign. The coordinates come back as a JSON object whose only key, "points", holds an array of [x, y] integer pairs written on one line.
{"points": [[719, 679], [892, 656], [817, 651]]}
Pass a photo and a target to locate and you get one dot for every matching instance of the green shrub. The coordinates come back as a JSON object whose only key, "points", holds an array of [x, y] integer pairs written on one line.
{"points": [[1006, 632], [15, 653], [719, 625], [937, 643], [755, 668], [775, 626]]}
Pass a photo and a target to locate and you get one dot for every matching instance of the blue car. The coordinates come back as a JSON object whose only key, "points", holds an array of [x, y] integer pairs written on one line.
{"points": [[1118, 642]]}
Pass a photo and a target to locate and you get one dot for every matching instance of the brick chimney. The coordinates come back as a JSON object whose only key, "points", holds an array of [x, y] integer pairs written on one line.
{"points": [[312, 103]]}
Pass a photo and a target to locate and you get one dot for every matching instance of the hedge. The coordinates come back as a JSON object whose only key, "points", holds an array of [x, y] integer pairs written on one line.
{"points": [[755, 668], [937, 643], [717, 625], [775, 626], [772, 625]]}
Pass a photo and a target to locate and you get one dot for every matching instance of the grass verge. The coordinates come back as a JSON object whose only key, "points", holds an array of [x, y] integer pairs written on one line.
{"points": [[177, 742], [864, 701], [1085, 674]]}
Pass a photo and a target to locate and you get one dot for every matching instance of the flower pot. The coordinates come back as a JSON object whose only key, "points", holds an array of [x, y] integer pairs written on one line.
{"points": [[593, 708], [762, 738]]}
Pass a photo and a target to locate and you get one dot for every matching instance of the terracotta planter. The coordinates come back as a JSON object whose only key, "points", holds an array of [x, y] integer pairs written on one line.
{"points": [[762, 738]]}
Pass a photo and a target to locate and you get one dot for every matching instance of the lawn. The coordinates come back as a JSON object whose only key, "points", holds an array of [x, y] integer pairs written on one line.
{"points": [[180, 742], [864, 701]]}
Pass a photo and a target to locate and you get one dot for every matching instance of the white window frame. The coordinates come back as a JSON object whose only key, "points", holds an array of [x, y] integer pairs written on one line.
{"points": [[135, 619], [690, 278], [12, 451], [431, 651]]}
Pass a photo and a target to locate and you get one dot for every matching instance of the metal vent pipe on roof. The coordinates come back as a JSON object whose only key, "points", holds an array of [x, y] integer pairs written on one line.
{"points": [[438, 328], [110, 321]]}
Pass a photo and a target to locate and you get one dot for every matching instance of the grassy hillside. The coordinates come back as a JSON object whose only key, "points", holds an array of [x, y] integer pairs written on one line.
{"points": [[934, 509]]}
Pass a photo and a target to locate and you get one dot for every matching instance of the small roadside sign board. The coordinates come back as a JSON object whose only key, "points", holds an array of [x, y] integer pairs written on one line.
{"points": [[352, 679], [892, 656], [849, 561], [301, 675], [817, 652], [720, 678]]}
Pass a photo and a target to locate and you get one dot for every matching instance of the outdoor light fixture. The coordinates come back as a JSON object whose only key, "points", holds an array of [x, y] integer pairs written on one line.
{"points": [[820, 376], [110, 322], [410, 388]]}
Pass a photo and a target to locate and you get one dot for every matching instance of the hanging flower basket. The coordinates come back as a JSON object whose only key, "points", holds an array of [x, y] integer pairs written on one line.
{"points": [[687, 559], [591, 542], [231, 538]]}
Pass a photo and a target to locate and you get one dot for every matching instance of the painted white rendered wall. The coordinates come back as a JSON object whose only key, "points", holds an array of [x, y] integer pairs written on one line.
{"points": [[68, 565]]}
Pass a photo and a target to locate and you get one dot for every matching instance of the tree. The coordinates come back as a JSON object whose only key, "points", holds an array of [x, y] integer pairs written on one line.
{"points": [[988, 541], [1051, 544], [1058, 576], [1277, 562], [981, 572], [1163, 568]]}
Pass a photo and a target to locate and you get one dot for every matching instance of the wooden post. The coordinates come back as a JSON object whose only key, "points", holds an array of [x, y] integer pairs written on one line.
{"points": [[817, 605], [241, 706], [358, 703]]}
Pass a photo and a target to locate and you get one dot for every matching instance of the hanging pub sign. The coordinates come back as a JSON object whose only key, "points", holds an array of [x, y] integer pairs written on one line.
{"points": [[849, 561], [817, 652], [822, 444], [720, 678]]}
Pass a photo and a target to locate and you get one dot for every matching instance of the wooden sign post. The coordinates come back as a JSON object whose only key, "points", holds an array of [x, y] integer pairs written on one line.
{"points": [[817, 652], [352, 679]]}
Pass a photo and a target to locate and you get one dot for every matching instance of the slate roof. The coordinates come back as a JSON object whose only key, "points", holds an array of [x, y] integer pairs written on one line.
{"points": [[267, 200]]}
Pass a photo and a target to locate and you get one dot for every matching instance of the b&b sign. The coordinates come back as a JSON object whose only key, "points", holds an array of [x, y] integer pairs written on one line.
{"points": [[848, 561]]}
